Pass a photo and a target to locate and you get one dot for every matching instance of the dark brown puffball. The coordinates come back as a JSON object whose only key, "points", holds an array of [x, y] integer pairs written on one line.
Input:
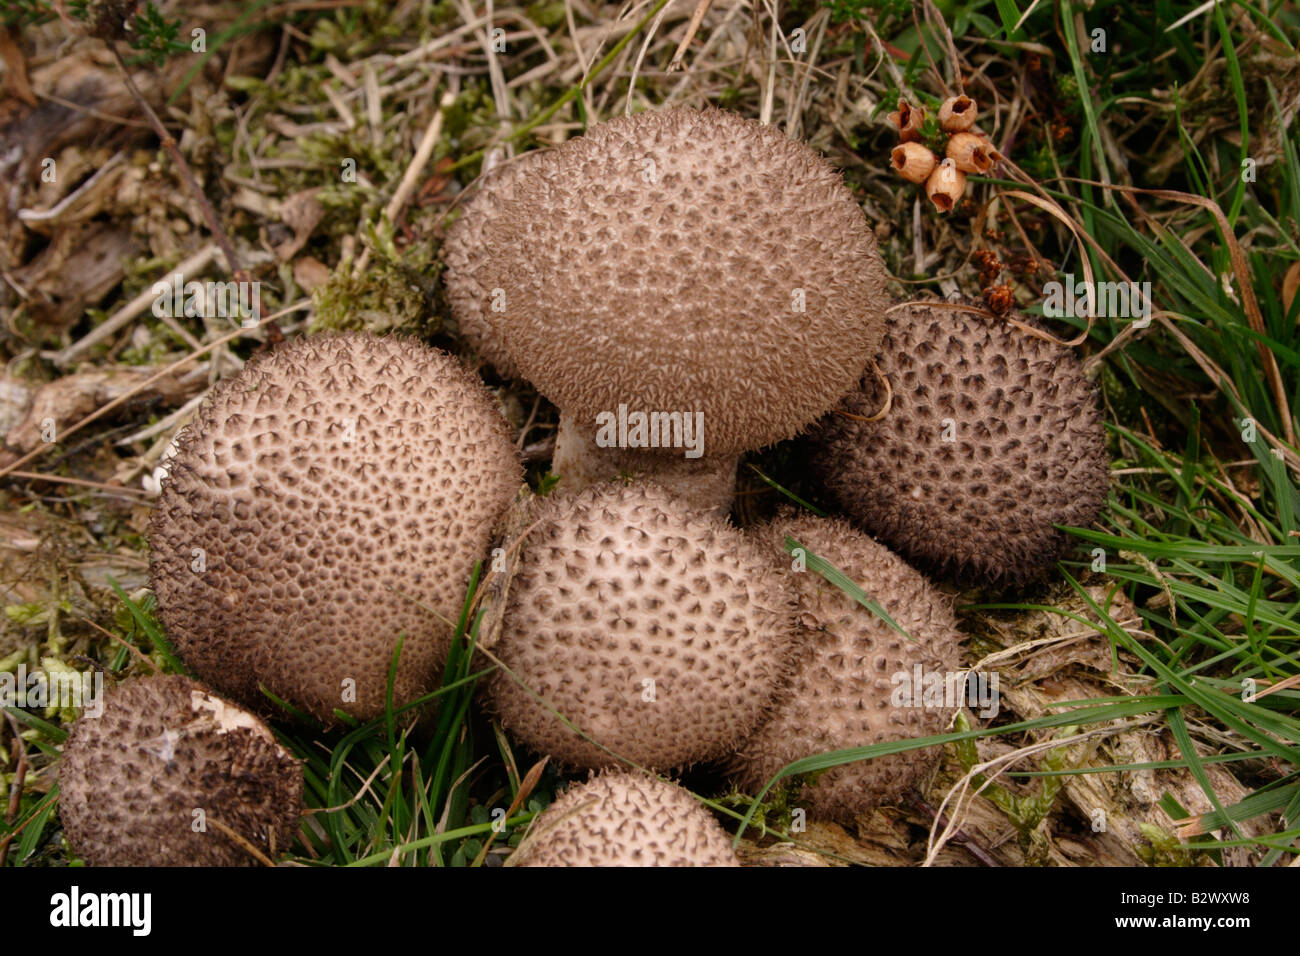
{"points": [[992, 437], [146, 782]]}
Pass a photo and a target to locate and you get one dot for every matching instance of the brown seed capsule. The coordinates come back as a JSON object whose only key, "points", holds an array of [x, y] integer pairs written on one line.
{"points": [[1000, 299], [908, 119], [945, 185], [913, 162], [971, 153], [957, 114]]}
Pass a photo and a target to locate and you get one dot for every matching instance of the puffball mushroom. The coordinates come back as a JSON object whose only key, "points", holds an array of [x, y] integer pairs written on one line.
{"points": [[683, 263], [625, 818], [165, 756], [660, 631], [992, 437], [330, 498], [854, 678]]}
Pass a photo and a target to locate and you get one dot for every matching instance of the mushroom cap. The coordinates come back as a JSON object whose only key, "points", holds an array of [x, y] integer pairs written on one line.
{"points": [[332, 496], [626, 818], [132, 778], [842, 693], [691, 261], [661, 632], [992, 437], [465, 253]]}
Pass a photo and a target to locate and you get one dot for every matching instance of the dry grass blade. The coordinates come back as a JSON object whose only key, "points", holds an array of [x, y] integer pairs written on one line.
{"points": [[243, 842], [697, 17]]}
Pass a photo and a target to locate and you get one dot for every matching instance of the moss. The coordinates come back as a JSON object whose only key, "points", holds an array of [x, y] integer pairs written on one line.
{"points": [[1067, 88], [468, 126], [933, 135], [393, 296], [730, 98], [546, 15], [1164, 849]]}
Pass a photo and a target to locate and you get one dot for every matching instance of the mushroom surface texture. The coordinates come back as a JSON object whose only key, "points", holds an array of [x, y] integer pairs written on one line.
{"points": [[685, 263], [854, 682], [661, 631], [625, 818], [164, 756], [465, 254], [331, 497], [992, 436]]}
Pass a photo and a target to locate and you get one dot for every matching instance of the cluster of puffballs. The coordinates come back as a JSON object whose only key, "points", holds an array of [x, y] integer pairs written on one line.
{"points": [[335, 495], [967, 150]]}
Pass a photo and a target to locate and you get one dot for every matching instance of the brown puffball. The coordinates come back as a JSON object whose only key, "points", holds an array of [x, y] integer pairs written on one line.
{"points": [[992, 437], [662, 261], [660, 631], [465, 253], [625, 818], [854, 676], [165, 756], [330, 498]]}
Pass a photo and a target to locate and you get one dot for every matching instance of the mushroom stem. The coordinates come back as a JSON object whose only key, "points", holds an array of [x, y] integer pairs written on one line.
{"points": [[705, 482]]}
